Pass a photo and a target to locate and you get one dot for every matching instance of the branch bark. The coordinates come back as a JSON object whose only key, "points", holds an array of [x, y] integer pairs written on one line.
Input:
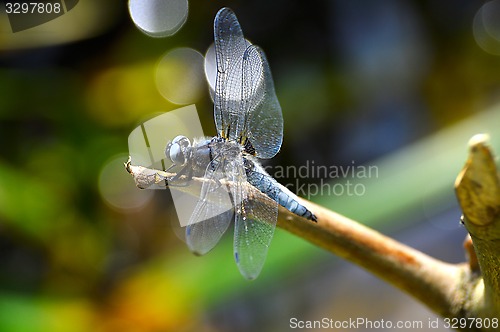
{"points": [[478, 192], [453, 291], [433, 282]]}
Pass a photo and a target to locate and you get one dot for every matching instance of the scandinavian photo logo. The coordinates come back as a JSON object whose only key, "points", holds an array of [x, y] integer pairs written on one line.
{"points": [[311, 180]]}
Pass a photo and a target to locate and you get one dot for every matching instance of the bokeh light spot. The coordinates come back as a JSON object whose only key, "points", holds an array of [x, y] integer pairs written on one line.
{"points": [[486, 27], [179, 76], [158, 18], [120, 95], [210, 68], [491, 18], [117, 187]]}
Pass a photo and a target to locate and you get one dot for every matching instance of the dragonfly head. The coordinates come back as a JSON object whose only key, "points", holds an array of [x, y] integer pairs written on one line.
{"points": [[177, 150]]}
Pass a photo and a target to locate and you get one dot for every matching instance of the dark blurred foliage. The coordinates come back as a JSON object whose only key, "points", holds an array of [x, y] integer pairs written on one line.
{"points": [[356, 80]]}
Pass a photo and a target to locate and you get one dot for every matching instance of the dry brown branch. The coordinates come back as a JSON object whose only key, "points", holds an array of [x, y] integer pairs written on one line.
{"points": [[478, 192], [433, 282], [453, 291]]}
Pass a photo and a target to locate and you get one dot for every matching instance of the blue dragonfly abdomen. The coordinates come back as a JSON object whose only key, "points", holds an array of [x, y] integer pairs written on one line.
{"points": [[260, 179]]}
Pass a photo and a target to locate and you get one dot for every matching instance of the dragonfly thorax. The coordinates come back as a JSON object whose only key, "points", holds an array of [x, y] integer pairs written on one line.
{"points": [[220, 146]]}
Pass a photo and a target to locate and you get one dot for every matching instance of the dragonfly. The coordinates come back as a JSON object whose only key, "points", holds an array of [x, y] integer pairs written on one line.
{"points": [[249, 125]]}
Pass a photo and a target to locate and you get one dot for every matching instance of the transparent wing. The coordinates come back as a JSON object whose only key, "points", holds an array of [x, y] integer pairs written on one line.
{"points": [[263, 118], [245, 103], [213, 212], [253, 231], [230, 45]]}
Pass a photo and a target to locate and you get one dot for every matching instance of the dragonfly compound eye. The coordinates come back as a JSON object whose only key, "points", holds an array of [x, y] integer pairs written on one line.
{"points": [[177, 150]]}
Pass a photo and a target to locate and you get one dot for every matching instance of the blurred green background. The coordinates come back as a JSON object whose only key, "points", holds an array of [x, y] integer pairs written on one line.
{"points": [[401, 85]]}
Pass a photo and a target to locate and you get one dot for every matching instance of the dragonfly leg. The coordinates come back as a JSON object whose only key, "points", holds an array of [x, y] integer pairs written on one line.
{"points": [[182, 178]]}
